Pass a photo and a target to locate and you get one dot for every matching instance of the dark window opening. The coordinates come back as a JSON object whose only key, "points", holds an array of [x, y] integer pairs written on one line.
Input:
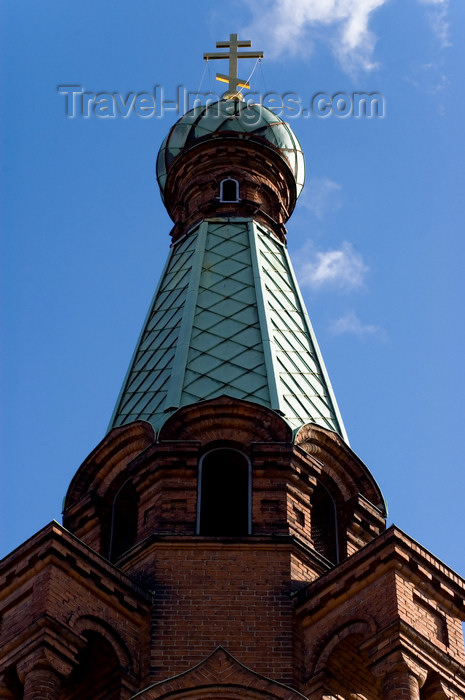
{"points": [[224, 494], [124, 521], [12, 684], [229, 190], [97, 672], [323, 523]]}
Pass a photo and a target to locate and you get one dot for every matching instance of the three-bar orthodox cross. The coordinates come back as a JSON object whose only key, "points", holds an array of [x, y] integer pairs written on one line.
{"points": [[233, 54]]}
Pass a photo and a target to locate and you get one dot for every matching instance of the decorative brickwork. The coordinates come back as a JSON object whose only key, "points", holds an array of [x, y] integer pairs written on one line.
{"points": [[220, 676], [372, 598], [266, 186], [55, 593]]}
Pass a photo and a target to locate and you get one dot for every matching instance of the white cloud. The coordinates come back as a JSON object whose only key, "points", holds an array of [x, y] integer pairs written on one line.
{"points": [[351, 324], [342, 268], [293, 26], [321, 195], [437, 14], [429, 78]]}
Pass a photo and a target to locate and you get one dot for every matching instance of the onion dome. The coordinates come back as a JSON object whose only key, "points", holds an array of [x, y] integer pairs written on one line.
{"points": [[231, 119]]}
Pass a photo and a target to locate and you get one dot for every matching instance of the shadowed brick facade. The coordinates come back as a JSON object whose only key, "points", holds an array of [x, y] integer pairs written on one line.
{"points": [[223, 540]]}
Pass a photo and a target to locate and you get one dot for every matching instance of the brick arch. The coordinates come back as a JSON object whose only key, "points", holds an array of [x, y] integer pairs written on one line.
{"points": [[89, 501], [228, 419], [109, 458], [89, 623], [215, 692], [97, 668], [364, 628], [342, 465], [344, 663], [222, 677]]}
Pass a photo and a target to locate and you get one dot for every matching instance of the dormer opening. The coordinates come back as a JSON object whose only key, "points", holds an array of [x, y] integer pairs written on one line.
{"points": [[224, 493], [323, 523], [229, 190]]}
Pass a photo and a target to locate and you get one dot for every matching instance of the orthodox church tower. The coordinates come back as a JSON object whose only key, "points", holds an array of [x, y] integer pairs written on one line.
{"points": [[223, 540]]}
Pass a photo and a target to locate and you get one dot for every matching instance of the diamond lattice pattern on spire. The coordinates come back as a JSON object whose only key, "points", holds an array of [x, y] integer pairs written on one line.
{"points": [[228, 319]]}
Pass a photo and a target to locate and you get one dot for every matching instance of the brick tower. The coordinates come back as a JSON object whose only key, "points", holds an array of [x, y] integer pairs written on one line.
{"points": [[223, 540]]}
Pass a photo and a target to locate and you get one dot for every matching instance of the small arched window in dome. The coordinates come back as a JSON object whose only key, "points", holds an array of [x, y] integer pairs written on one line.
{"points": [[229, 190], [224, 501], [323, 523]]}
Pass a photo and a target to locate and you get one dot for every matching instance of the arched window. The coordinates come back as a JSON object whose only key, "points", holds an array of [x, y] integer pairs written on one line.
{"points": [[224, 493], [123, 521], [229, 190], [97, 672], [323, 524]]}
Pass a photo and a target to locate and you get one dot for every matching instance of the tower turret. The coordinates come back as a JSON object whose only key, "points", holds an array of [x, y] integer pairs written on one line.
{"points": [[228, 317]]}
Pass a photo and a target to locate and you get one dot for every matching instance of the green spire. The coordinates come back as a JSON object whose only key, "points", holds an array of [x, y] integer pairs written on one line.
{"points": [[228, 319]]}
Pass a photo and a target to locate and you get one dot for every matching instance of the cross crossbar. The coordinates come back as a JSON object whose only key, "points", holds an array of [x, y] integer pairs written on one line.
{"points": [[233, 55]]}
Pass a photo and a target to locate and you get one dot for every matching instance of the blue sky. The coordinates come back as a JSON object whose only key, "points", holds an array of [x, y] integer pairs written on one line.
{"points": [[377, 237]]}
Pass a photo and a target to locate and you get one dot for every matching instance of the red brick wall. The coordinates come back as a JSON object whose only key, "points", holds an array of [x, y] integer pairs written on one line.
{"points": [[209, 594]]}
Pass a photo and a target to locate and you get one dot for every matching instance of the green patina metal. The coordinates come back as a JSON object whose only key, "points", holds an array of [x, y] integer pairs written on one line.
{"points": [[236, 120], [228, 319]]}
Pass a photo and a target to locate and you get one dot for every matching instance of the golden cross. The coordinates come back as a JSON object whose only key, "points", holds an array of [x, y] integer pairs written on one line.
{"points": [[233, 54]]}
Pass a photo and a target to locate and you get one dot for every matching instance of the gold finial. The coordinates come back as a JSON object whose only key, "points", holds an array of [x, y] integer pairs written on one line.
{"points": [[233, 81]]}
